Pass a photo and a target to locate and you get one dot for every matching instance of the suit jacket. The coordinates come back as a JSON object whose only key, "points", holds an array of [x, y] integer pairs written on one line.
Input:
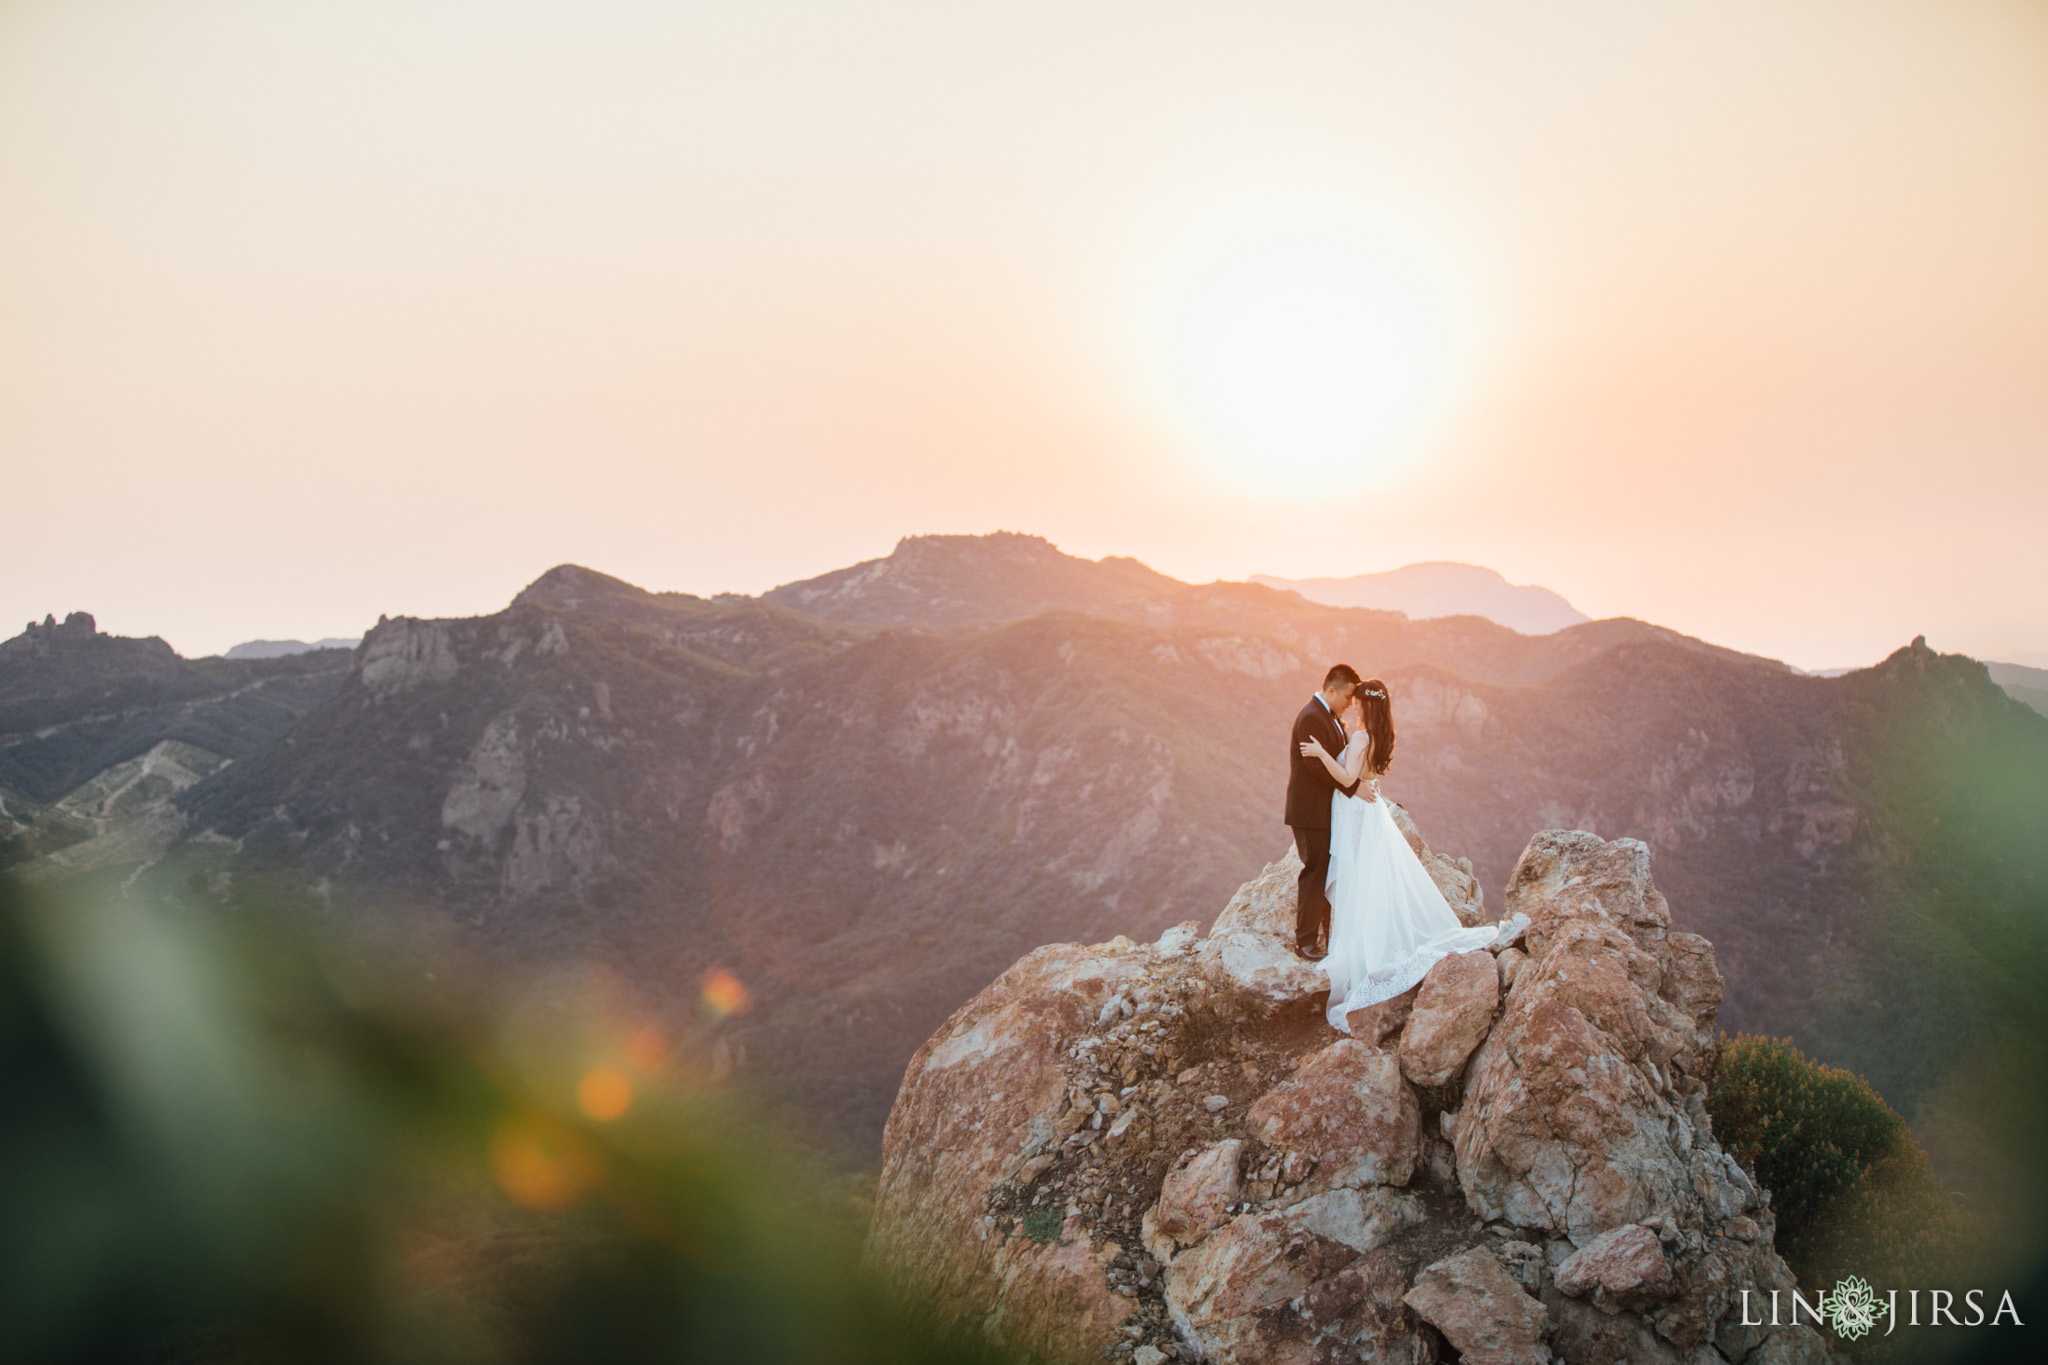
{"points": [[1309, 784]]}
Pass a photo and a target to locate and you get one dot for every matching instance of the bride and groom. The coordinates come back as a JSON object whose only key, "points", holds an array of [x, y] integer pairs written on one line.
{"points": [[1362, 889]]}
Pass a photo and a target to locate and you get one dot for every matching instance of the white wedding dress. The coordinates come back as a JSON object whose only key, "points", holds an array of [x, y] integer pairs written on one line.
{"points": [[1388, 923]]}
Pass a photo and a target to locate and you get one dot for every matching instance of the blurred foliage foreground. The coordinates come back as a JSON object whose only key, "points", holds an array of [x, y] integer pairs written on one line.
{"points": [[1852, 1190], [249, 1146]]}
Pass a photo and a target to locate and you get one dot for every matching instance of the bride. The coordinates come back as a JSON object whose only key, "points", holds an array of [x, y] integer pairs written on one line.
{"points": [[1388, 922]]}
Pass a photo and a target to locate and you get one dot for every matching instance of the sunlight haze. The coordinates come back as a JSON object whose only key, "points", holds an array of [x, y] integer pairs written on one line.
{"points": [[1730, 317]]}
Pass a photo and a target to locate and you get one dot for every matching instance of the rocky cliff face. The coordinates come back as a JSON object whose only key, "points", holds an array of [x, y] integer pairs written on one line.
{"points": [[868, 821], [1161, 1151]]}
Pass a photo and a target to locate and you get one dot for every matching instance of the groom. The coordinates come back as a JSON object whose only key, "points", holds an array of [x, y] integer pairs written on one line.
{"points": [[1309, 787]]}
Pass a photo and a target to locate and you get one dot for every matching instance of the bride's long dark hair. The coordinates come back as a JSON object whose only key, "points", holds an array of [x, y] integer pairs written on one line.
{"points": [[1376, 713]]}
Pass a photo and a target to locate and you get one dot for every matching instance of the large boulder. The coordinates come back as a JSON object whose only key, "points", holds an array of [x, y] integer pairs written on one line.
{"points": [[1452, 1013], [1349, 1110], [1625, 1268], [1261, 968], [1574, 1118], [1195, 1197], [1481, 1310], [1153, 1152], [987, 1094]]}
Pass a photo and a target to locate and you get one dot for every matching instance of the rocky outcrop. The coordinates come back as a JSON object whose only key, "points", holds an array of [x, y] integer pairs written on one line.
{"points": [[1453, 1009], [1480, 1310], [1163, 1151]]}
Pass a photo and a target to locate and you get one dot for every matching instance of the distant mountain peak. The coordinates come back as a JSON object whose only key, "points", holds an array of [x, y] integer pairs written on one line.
{"points": [[1442, 588], [569, 585], [944, 580], [78, 631]]}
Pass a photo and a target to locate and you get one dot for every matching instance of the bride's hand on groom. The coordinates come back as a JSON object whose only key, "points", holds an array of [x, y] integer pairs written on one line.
{"points": [[1313, 748]]}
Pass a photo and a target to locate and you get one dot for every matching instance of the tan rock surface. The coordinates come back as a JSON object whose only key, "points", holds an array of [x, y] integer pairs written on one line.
{"points": [[1265, 904], [1624, 1268], [1373, 1025], [1452, 1013], [1263, 969], [1193, 1198], [1481, 1310], [1165, 1150], [1573, 1115], [1349, 1108], [989, 1095]]}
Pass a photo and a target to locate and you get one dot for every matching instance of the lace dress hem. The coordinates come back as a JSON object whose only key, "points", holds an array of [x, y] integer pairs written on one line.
{"points": [[1389, 981]]}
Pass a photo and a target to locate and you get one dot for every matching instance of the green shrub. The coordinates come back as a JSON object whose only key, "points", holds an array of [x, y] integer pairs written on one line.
{"points": [[1043, 1224], [1852, 1191]]}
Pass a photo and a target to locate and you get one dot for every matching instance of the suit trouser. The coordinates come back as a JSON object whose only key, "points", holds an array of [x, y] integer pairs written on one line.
{"points": [[1312, 898]]}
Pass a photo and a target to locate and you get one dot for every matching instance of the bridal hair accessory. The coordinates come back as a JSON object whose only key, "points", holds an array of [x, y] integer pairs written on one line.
{"points": [[1372, 692]]}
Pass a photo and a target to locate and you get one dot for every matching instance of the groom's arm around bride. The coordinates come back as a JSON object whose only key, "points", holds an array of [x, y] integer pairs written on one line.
{"points": [[1310, 788]]}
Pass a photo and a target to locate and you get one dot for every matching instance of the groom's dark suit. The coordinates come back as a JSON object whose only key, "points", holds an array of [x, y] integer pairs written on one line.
{"points": [[1309, 788]]}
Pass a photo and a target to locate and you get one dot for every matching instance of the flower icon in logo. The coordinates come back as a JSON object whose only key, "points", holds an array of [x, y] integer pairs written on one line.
{"points": [[1852, 1308]]}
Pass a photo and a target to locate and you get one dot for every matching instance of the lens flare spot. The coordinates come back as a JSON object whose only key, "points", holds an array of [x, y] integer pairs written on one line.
{"points": [[646, 1049], [724, 994], [532, 1171], [603, 1094]]}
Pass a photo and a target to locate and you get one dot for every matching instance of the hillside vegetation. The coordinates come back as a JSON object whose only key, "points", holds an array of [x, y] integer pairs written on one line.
{"points": [[864, 822]]}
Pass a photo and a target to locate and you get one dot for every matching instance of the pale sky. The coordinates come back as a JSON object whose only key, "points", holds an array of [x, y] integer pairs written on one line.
{"points": [[1730, 316]]}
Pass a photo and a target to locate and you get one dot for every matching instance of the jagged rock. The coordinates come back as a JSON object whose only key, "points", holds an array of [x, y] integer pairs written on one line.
{"points": [[1525, 1261], [982, 1096], [1254, 1262], [1511, 930], [1711, 1279], [1585, 1335], [1509, 961], [1363, 1220], [1374, 1024], [1692, 983], [1257, 1168], [1265, 904], [1261, 1260], [1481, 1310], [1565, 875], [1451, 1015], [1559, 1129], [1624, 1268], [1263, 970], [1053, 1293], [1348, 1107], [402, 653], [1179, 940], [1569, 1122], [1193, 1198]]}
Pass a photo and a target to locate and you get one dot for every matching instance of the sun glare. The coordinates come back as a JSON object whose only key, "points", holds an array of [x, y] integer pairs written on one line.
{"points": [[1301, 356]]}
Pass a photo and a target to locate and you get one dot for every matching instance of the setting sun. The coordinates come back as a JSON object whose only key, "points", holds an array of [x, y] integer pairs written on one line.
{"points": [[1301, 345]]}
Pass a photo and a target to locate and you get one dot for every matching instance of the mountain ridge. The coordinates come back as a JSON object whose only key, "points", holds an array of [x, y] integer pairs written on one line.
{"points": [[867, 821], [1435, 588]]}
